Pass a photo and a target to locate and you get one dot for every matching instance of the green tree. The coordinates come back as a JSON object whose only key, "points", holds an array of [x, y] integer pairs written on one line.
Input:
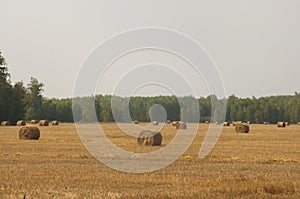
{"points": [[34, 99], [18, 102], [64, 110], [49, 109], [5, 90]]}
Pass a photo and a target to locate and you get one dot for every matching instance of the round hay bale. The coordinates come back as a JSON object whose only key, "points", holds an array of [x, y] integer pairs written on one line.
{"points": [[44, 123], [5, 123], [287, 124], [298, 123], [155, 123], [149, 138], [136, 122], [242, 128], [281, 124], [181, 125], [21, 123], [266, 123], [206, 122], [237, 122], [248, 122], [226, 124], [34, 121], [174, 123], [55, 123], [168, 121], [29, 133]]}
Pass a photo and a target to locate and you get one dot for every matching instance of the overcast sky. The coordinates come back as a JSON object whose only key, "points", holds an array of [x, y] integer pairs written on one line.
{"points": [[255, 44]]}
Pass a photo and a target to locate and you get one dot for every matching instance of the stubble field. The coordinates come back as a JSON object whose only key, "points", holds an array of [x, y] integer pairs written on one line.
{"points": [[262, 164]]}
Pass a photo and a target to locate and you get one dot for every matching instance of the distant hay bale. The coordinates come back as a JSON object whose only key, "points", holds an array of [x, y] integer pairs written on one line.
{"points": [[287, 124], [21, 123], [206, 122], [29, 133], [248, 122], [237, 122], [174, 123], [298, 123], [55, 123], [5, 123], [168, 121], [136, 122], [281, 124], [181, 125], [241, 128], [34, 121], [226, 124], [44, 123], [155, 123], [149, 138]]}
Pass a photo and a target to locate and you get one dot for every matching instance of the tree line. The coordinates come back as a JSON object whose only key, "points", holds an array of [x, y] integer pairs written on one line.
{"points": [[18, 101]]}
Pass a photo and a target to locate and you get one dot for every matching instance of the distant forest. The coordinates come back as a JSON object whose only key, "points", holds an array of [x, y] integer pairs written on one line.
{"points": [[18, 101]]}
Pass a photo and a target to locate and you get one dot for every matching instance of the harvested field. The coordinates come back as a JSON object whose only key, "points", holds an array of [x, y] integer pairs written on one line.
{"points": [[262, 164]]}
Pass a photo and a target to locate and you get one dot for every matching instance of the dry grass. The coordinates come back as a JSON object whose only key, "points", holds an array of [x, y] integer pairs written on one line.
{"points": [[262, 164]]}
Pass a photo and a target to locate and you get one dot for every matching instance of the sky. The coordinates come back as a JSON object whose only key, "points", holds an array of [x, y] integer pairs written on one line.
{"points": [[254, 44]]}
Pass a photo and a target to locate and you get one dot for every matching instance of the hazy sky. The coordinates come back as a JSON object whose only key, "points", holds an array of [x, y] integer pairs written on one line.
{"points": [[255, 44]]}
